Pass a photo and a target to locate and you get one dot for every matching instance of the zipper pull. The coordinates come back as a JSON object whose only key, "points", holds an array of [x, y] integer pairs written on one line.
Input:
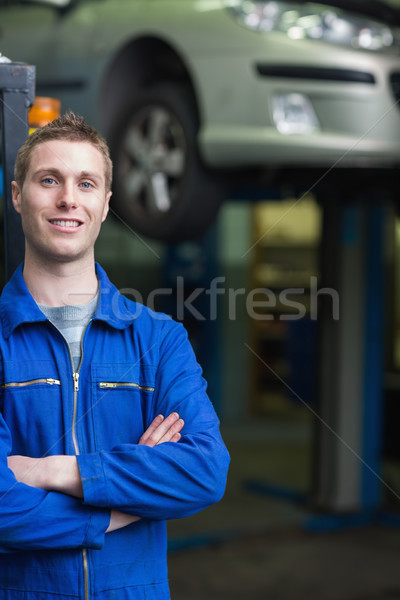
{"points": [[51, 381], [76, 381]]}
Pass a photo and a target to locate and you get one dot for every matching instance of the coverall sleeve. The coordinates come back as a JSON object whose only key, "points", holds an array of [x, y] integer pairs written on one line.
{"points": [[32, 519], [170, 480]]}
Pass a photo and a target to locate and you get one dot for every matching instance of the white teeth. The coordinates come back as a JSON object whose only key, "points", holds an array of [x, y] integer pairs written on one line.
{"points": [[63, 223]]}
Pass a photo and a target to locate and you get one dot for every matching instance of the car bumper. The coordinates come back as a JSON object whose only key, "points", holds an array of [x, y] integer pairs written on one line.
{"points": [[354, 94], [244, 146]]}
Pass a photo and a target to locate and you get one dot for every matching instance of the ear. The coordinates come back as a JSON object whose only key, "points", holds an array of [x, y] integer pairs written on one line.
{"points": [[106, 207], [16, 196]]}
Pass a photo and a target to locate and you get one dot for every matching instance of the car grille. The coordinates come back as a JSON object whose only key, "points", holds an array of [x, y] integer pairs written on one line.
{"points": [[395, 81]]}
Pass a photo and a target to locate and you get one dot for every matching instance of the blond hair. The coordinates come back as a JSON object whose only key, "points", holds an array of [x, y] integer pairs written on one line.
{"points": [[69, 127]]}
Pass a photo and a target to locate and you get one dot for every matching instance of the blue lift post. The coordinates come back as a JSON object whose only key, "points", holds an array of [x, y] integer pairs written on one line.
{"points": [[17, 93], [348, 477]]}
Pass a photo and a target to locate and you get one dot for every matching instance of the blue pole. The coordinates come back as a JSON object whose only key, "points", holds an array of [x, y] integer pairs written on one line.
{"points": [[374, 359]]}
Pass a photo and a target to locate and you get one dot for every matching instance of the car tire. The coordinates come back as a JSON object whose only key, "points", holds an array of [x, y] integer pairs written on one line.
{"points": [[161, 188]]}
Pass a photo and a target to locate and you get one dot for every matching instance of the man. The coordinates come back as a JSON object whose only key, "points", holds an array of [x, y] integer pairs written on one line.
{"points": [[105, 427]]}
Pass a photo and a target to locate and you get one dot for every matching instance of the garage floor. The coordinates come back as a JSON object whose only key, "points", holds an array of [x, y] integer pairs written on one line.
{"points": [[257, 547]]}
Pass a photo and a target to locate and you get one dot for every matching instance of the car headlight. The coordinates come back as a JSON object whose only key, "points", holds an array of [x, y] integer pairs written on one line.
{"points": [[316, 22]]}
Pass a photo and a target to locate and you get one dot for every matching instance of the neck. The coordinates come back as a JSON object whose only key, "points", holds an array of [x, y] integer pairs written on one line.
{"points": [[60, 284]]}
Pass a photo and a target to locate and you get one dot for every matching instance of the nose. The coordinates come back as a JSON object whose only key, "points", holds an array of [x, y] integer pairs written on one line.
{"points": [[67, 197]]}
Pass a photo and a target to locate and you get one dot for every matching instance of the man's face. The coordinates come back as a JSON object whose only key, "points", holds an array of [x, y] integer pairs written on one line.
{"points": [[63, 201]]}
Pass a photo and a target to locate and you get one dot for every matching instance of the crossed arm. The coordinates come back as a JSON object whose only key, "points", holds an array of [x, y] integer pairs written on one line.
{"points": [[60, 473]]}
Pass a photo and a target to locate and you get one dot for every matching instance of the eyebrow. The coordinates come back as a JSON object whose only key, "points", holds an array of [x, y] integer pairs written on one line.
{"points": [[51, 170], [89, 175], [58, 173]]}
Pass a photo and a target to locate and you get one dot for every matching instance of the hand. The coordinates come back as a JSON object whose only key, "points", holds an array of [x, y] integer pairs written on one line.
{"points": [[27, 470], [58, 473], [163, 430]]}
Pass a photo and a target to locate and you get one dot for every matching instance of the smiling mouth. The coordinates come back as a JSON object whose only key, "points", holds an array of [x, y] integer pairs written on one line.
{"points": [[65, 222]]}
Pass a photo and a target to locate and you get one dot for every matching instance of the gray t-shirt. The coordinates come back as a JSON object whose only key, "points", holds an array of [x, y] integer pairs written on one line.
{"points": [[71, 320]]}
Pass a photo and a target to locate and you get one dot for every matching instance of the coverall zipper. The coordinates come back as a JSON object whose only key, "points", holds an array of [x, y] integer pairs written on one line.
{"points": [[117, 384], [47, 380], [75, 378]]}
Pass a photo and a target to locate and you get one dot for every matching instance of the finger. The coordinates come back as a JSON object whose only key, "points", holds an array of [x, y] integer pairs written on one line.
{"points": [[167, 429], [157, 429], [172, 431], [164, 431], [151, 429]]}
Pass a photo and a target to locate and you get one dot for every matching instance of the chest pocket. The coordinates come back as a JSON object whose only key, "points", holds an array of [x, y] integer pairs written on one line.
{"points": [[122, 402], [30, 402]]}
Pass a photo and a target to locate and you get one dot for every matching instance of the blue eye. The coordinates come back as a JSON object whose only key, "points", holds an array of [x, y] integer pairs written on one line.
{"points": [[48, 180], [86, 185]]}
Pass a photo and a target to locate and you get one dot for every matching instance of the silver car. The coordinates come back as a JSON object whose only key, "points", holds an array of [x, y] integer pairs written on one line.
{"points": [[193, 93]]}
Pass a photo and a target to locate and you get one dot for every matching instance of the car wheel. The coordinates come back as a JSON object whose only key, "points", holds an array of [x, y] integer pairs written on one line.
{"points": [[161, 188]]}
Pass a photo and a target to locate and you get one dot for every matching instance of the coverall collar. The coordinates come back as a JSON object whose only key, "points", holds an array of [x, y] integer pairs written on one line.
{"points": [[17, 305]]}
